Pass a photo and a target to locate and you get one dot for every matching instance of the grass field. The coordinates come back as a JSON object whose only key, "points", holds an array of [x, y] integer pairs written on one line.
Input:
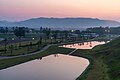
{"points": [[16, 50], [25, 47]]}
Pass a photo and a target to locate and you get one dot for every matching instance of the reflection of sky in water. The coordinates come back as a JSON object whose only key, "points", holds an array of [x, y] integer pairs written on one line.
{"points": [[85, 45], [53, 67]]}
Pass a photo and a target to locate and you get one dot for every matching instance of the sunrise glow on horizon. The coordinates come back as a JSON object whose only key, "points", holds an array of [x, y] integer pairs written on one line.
{"points": [[16, 10]]}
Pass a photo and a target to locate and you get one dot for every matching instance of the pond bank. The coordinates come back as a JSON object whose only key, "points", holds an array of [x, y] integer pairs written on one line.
{"points": [[96, 69]]}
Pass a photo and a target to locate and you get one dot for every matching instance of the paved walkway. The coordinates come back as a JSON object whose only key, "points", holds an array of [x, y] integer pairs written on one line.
{"points": [[72, 51]]}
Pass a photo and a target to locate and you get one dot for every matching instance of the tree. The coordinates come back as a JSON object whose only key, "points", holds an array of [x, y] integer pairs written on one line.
{"points": [[77, 32], [19, 32], [2, 30], [28, 48], [39, 43], [6, 31], [55, 33], [66, 34], [48, 31], [11, 49], [31, 44]]}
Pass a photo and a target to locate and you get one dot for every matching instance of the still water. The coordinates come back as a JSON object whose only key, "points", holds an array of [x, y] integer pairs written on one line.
{"points": [[84, 45], [53, 67]]}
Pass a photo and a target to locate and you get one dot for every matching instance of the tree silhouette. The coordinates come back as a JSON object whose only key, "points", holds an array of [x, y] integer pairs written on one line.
{"points": [[48, 31], [19, 32], [39, 43], [6, 31], [55, 33], [11, 49], [66, 34]]}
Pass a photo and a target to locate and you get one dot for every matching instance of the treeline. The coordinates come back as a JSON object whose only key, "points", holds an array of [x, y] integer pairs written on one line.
{"points": [[7, 29], [105, 30]]}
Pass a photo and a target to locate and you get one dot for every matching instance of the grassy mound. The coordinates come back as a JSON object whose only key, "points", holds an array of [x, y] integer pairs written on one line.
{"points": [[110, 53]]}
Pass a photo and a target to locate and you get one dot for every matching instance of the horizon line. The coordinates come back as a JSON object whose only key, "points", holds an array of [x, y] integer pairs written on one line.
{"points": [[57, 18]]}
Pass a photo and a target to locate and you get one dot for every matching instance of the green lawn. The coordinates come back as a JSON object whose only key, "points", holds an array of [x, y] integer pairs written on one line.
{"points": [[25, 47]]}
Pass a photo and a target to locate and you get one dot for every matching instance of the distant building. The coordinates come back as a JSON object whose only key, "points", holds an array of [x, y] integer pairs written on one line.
{"points": [[72, 35], [89, 34]]}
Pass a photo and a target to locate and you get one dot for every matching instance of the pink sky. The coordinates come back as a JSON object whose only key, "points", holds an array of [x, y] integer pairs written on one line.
{"points": [[13, 10]]}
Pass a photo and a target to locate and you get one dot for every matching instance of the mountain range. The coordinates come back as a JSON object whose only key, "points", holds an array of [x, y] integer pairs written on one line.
{"points": [[62, 23]]}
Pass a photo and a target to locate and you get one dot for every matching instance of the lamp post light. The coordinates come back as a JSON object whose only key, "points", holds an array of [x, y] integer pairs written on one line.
{"points": [[33, 38], [13, 39]]}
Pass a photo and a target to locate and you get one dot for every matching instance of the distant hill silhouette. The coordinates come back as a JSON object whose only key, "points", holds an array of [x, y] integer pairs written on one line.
{"points": [[62, 23]]}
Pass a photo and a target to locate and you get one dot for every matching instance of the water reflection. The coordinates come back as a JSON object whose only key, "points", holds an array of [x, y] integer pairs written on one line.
{"points": [[84, 45], [56, 55], [40, 58], [63, 67]]}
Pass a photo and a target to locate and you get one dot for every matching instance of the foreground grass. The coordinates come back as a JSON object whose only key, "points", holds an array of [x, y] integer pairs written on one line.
{"points": [[97, 70]]}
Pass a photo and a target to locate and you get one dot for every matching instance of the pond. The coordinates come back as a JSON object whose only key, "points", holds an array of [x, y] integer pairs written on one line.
{"points": [[84, 45], [53, 67]]}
